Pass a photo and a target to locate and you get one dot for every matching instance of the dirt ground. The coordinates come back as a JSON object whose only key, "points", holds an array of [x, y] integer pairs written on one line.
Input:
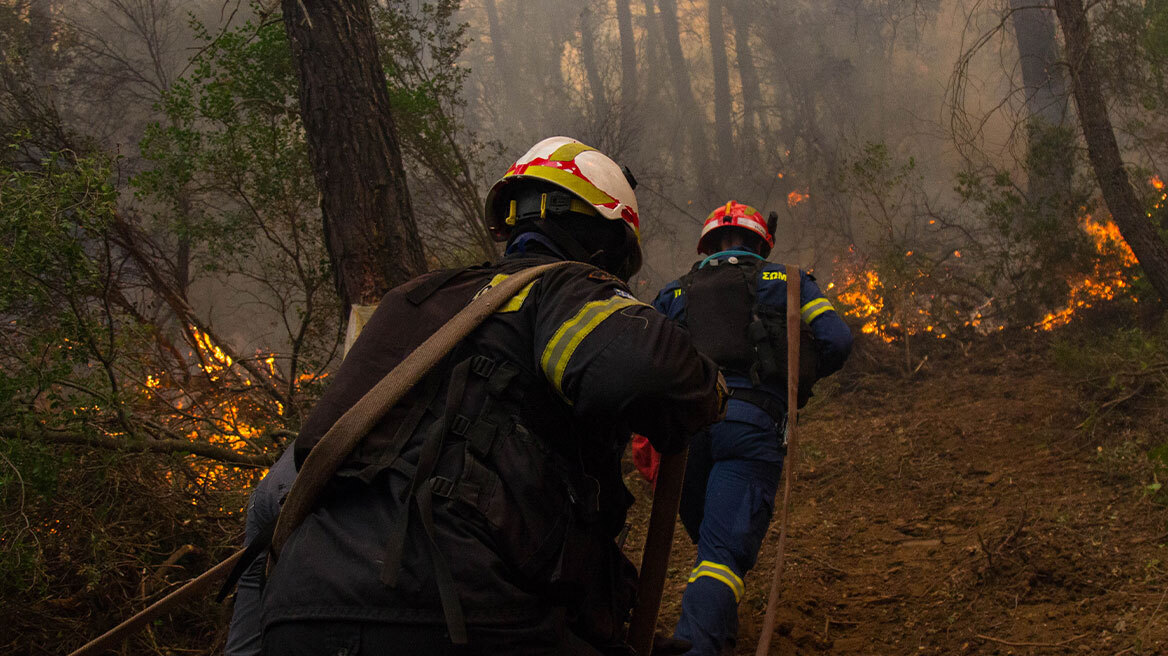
{"points": [[963, 510]]}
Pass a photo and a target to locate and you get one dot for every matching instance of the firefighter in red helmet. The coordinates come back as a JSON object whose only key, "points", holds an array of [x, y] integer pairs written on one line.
{"points": [[733, 303]]}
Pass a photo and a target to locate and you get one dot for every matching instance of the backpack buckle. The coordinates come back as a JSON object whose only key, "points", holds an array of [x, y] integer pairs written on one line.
{"points": [[481, 365], [459, 425]]}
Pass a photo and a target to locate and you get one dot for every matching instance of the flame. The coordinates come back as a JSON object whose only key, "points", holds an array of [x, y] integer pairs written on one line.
{"points": [[211, 350], [1157, 183], [891, 310], [795, 197], [865, 295], [225, 409], [862, 293], [1104, 282]]}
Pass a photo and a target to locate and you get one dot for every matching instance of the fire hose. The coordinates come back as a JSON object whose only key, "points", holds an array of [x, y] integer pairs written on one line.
{"points": [[793, 324], [338, 442], [655, 557]]}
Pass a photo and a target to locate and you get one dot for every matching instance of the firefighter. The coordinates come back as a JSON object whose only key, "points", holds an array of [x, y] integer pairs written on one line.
{"points": [[479, 516], [263, 506], [733, 303]]}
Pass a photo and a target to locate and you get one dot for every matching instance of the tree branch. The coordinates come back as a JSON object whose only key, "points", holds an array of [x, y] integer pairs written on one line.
{"points": [[209, 451]]}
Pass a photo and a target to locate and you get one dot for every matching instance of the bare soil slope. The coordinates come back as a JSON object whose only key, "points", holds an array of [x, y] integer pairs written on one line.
{"points": [[962, 511]]}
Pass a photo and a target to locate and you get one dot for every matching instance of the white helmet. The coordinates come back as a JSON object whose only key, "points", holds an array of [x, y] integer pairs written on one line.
{"points": [[588, 174]]}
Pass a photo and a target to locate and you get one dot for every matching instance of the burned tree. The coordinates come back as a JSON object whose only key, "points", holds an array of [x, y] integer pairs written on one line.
{"points": [[368, 221], [724, 137], [752, 117], [1103, 149], [628, 43], [588, 59], [1049, 143], [687, 106], [1038, 57]]}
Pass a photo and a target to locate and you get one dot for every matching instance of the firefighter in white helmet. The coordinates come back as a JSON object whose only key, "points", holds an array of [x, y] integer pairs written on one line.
{"points": [[479, 516]]}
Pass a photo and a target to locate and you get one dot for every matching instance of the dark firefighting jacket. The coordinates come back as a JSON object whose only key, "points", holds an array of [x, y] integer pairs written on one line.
{"points": [[734, 304], [493, 491]]}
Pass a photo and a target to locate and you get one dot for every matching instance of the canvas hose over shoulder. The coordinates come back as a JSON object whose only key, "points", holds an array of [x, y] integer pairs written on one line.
{"points": [[483, 497]]}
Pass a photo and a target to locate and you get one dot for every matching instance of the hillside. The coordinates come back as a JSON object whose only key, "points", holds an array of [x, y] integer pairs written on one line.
{"points": [[965, 510]]}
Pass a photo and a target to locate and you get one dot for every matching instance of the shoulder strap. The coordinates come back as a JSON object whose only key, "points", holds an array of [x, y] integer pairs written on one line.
{"points": [[419, 294], [322, 462]]}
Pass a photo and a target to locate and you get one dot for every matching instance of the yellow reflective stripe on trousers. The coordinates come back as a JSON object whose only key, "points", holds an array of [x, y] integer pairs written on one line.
{"points": [[719, 573], [815, 308], [563, 343]]}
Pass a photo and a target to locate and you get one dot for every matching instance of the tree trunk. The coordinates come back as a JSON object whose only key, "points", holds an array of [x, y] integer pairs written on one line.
{"points": [[369, 225], [40, 24], [654, 72], [1038, 57], [628, 41], [1050, 157], [1103, 149], [687, 108], [502, 64], [588, 59], [752, 120], [723, 132]]}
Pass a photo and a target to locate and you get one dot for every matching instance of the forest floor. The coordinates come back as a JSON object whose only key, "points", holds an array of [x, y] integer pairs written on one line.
{"points": [[967, 509]]}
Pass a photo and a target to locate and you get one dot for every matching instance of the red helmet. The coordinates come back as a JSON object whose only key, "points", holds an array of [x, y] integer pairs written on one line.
{"points": [[736, 215]]}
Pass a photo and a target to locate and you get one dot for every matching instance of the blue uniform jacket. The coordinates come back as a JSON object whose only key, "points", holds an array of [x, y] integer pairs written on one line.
{"points": [[833, 339]]}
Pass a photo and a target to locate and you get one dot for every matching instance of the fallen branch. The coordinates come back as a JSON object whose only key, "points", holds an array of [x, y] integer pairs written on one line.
{"points": [[170, 445], [1032, 644]]}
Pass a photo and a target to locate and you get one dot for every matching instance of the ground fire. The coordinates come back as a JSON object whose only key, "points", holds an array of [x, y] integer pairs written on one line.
{"points": [[863, 294]]}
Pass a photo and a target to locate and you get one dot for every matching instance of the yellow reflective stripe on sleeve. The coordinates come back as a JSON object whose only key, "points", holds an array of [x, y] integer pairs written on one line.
{"points": [[719, 573], [515, 302], [815, 308], [563, 343]]}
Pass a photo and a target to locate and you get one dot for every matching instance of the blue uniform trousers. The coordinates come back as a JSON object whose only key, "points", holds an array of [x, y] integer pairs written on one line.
{"points": [[727, 502]]}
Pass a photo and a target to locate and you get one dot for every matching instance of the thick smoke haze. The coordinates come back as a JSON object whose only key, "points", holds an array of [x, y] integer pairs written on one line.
{"points": [[853, 119]]}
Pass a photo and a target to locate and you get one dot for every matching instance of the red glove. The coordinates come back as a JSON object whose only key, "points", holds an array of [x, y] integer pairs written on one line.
{"points": [[646, 459]]}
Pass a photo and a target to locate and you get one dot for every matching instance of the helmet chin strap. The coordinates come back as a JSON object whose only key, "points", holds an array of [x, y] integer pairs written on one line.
{"points": [[573, 248], [540, 211]]}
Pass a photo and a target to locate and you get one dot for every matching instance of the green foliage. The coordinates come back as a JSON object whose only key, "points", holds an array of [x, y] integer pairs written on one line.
{"points": [[55, 284], [1158, 458], [231, 181], [233, 133], [1118, 367], [421, 50], [922, 286], [1033, 243], [1133, 49], [49, 219]]}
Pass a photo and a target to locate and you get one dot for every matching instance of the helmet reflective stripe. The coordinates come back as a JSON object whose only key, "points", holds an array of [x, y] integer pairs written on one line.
{"points": [[735, 215], [566, 175], [576, 167], [569, 151]]}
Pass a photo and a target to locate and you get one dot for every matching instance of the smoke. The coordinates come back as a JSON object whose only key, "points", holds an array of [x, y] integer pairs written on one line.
{"points": [[812, 84]]}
